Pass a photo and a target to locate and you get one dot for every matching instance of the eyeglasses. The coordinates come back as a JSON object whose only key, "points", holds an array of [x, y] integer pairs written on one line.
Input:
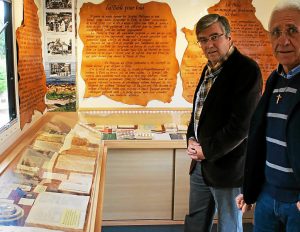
{"points": [[290, 32], [213, 38]]}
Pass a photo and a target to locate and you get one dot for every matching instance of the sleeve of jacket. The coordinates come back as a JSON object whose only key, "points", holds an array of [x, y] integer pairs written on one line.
{"points": [[256, 149], [247, 88]]}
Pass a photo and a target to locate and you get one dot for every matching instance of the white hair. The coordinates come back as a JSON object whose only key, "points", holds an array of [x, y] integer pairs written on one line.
{"points": [[287, 4], [283, 5]]}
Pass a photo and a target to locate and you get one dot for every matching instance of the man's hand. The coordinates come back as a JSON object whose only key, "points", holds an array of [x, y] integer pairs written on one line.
{"points": [[194, 150], [298, 205], [241, 204]]}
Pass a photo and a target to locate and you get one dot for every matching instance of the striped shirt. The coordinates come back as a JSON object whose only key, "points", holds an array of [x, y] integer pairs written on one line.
{"points": [[280, 180]]}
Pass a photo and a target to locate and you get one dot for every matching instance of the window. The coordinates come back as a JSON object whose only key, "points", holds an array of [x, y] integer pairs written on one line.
{"points": [[7, 82]]}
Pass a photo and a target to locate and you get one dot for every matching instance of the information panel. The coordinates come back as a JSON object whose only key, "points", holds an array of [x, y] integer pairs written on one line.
{"points": [[129, 51], [248, 35], [32, 79]]}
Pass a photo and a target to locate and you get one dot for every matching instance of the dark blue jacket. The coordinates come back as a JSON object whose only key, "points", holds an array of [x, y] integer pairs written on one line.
{"points": [[256, 152]]}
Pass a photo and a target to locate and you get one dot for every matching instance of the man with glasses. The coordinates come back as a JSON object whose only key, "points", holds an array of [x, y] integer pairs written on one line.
{"points": [[272, 169], [227, 93]]}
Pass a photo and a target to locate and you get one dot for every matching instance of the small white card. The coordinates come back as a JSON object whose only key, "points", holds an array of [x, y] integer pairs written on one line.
{"points": [[54, 176], [6, 201], [40, 188], [26, 201], [25, 188]]}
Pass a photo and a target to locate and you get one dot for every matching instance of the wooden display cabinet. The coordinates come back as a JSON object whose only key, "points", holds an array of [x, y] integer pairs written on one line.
{"points": [[136, 181], [139, 182], [9, 173]]}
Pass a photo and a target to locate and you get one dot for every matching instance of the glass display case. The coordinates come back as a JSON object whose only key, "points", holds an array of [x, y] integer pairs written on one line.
{"points": [[52, 179], [79, 171]]}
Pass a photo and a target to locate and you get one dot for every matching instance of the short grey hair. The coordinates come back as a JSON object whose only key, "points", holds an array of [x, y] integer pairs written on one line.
{"points": [[207, 20], [285, 5]]}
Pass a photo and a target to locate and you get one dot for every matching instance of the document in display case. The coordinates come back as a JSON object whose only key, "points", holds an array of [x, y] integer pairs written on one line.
{"points": [[24, 229], [33, 161], [58, 210], [48, 188]]}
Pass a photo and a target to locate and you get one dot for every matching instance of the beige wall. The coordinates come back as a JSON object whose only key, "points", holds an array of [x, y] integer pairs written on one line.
{"points": [[186, 14]]}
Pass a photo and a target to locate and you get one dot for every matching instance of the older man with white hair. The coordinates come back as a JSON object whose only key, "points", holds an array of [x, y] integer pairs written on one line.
{"points": [[272, 169]]}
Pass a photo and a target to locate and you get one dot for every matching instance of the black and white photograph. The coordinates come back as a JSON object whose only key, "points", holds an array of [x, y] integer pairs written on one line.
{"points": [[59, 46], [58, 4], [59, 22], [60, 70]]}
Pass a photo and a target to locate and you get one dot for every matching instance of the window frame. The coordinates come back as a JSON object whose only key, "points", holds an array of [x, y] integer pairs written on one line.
{"points": [[9, 130], [10, 61]]}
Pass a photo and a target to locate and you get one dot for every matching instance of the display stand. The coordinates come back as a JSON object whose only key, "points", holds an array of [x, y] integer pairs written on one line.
{"points": [[40, 194], [140, 175]]}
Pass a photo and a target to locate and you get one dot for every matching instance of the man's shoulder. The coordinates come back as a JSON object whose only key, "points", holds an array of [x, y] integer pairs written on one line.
{"points": [[240, 60], [241, 57], [272, 77]]}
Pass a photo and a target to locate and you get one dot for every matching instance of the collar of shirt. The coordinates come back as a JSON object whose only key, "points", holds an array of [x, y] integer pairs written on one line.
{"points": [[211, 68], [290, 74]]}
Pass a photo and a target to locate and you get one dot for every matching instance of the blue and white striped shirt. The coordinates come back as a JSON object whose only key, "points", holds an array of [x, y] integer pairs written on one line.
{"points": [[280, 180]]}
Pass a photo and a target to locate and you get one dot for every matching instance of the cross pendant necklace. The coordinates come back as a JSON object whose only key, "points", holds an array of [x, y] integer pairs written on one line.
{"points": [[283, 89], [278, 98]]}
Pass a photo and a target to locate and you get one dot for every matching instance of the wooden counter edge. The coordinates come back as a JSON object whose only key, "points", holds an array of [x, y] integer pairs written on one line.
{"points": [[144, 144], [94, 221]]}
